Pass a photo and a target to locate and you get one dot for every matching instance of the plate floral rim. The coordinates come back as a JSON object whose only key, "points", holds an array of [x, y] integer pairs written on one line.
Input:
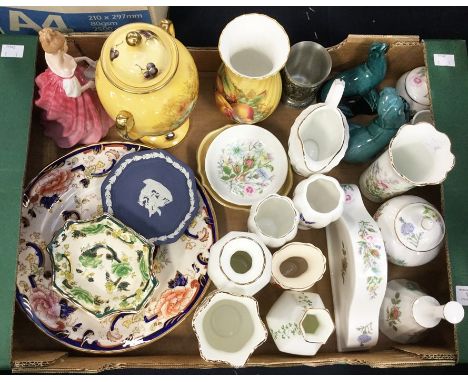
{"points": [[174, 321]]}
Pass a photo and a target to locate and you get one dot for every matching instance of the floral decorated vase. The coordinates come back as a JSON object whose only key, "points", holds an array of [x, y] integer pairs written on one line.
{"points": [[148, 83], [407, 312], [253, 48], [299, 323], [102, 265], [412, 229], [418, 155]]}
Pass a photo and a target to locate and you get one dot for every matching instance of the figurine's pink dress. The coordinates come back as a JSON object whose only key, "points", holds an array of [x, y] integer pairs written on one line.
{"points": [[70, 116]]}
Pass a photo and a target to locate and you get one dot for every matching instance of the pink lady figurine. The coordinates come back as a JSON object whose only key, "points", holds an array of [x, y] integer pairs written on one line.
{"points": [[72, 111]]}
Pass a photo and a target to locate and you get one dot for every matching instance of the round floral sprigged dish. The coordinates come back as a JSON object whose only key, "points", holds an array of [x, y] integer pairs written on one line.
{"points": [[244, 163]]}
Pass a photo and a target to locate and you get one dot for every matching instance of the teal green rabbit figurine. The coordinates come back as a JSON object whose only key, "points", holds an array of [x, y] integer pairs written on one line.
{"points": [[367, 141], [362, 79]]}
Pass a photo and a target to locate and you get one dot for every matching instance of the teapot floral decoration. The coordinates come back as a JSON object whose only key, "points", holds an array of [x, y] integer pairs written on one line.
{"points": [[148, 82]]}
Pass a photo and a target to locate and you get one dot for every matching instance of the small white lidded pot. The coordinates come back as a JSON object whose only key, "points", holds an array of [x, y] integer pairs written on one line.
{"points": [[412, 229], [319, 200], [413, 87], [298, 266], [240, 263], [299, 323], [228, 328], [274, 219]]}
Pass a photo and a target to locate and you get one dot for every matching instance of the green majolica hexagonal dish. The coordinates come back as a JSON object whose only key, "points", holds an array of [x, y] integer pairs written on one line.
{"points": [[102, 265]]}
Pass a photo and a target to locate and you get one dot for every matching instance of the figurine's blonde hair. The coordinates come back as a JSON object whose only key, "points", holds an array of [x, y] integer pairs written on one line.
{"points": [[52, 41]]}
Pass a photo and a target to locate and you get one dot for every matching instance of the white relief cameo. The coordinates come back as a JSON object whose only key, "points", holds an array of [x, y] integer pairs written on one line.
{"points": [[154, 196]]}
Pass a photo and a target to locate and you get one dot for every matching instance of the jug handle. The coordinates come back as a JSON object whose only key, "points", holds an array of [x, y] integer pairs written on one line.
{"points": [[335, 93], [168, 26]]}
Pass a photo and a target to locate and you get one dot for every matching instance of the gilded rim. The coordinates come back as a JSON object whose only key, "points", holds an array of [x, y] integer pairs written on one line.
{"points": [[415, 184], [250, 77], [344, 122], [195, 305], [322, 256], [264, 260], [296, 215], [201, 154]]}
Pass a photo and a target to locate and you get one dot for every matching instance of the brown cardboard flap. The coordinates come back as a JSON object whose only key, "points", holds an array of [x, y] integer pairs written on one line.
{"points": [[427, 352], [58, 362], [28, 359]]}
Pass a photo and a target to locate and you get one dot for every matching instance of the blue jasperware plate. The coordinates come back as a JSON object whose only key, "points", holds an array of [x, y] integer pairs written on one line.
{"points": [[152, 192]]}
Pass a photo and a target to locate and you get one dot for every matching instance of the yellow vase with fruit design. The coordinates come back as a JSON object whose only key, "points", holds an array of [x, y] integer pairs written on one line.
{"points": [[253, 48], [147, 82]]}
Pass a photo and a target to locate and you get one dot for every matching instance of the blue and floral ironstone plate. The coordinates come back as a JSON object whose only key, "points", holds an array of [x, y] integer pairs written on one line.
{"points": [[152, 192], [70, 188]]}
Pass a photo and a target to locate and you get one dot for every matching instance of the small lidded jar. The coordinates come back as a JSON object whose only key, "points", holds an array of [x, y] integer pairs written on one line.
{"points": [[412, 229]]}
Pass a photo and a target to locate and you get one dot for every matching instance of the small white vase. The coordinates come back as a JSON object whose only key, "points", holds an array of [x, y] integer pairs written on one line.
{"points": [[319, 200], [228, 328], [319, 136], [299, 323], [274, 219], [298, 266], [407, 312], [240, 263]]}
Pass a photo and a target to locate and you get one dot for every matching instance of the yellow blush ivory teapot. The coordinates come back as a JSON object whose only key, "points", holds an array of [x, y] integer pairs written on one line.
{"points": [[147, 82]]}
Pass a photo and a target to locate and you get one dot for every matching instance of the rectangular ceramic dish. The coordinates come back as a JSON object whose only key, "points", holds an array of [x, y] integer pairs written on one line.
{"points": [[180, 348]]}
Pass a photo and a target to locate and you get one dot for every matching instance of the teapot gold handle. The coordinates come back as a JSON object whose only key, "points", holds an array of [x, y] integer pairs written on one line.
{"points": [[168, 26], [124, 123]]}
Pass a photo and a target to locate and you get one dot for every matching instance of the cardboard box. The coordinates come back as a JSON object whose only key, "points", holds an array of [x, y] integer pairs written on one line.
{"points": [[33, 351]]}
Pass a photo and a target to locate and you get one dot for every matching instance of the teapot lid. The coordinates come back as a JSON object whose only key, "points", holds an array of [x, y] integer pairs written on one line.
{"points": [[419, 227], [139, 58]]}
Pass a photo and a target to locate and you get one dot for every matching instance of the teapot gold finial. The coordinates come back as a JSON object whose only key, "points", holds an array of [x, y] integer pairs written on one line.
{"points": [[133, 38]]}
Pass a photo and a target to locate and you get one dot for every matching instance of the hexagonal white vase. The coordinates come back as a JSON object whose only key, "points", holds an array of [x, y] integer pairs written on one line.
{"points": [[228, 328], [299, 323], [240, 263]]}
